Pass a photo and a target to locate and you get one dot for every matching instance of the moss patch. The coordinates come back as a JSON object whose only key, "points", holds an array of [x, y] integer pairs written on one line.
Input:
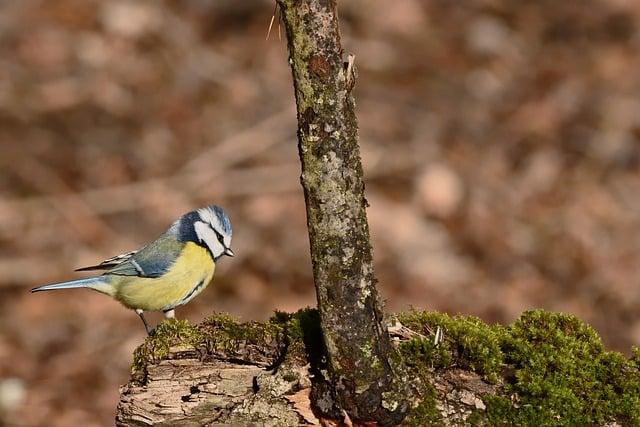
{"points": [[426, 413], [564, 376], [170, 333], [468, 343], [554, 368], [303, 336], [224, 337]]}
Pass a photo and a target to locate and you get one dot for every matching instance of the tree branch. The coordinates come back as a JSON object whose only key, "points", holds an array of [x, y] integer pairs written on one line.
{"points": [[357, 344]]}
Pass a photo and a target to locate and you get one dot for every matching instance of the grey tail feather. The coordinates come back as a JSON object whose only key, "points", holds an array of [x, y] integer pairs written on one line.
{"points": [[80, 283], [93, 267]]}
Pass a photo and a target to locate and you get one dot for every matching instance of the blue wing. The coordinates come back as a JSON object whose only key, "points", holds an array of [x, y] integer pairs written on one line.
{"points": [[151, 261]]}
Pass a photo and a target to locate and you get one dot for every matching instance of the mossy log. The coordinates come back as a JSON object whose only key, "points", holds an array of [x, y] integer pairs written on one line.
{"points": [[546, 369]]}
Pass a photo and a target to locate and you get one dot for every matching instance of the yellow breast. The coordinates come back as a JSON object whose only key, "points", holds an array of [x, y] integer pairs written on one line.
{"points": [[187, 277]]}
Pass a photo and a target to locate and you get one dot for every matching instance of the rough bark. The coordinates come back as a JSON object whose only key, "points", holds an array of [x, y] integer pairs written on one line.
{"points": [[188, 392], [224, 373], [185, 391], [358, 347]]}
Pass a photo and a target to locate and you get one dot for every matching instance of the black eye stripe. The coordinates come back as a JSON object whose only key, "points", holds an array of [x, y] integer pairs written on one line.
{"points": [[218, 235]]}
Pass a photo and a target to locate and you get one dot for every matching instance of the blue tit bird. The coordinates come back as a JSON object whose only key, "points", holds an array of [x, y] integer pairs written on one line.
{"points": [[166, 273]]}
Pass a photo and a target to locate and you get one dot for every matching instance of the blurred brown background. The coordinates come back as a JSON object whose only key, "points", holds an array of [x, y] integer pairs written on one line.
{"points": [[500, 141]]}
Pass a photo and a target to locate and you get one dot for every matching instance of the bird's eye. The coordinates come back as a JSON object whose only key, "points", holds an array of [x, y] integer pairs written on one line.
{"points": [[219, 236]]}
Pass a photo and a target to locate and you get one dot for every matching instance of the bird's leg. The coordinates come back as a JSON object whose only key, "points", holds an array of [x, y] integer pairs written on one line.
{"points": [[170, 314], [146, 325]]}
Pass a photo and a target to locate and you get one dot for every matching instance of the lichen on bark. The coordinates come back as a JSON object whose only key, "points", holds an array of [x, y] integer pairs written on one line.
{"points": [[365, 378]]}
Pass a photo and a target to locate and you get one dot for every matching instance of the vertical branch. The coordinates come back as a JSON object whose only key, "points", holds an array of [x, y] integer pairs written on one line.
{"points": [[358, 346]]}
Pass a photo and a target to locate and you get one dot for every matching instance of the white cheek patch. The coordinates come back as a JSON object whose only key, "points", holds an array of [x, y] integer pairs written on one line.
{"points": [[209, 238]]}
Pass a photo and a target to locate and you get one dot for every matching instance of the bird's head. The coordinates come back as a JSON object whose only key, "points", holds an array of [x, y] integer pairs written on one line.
{"points": [[209, 227]]}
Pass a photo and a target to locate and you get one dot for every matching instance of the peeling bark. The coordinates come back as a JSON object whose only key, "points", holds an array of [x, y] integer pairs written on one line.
{"points": [[186, 391], [364, 378], [188, 388]]}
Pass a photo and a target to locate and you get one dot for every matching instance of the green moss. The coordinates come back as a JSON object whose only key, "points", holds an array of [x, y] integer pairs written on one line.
{"points": [[564, 376], [304, 45], [303, 335], [478, 418], [558, 370], [217, 335], [170, 333], [426, 413], [223, 336], [468, 342]]}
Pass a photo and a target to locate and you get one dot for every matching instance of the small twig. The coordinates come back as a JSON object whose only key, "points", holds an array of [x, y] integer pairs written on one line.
{"points": [[279, 26], [349, 71], [400, 332], [439, 336], [273, 17]]}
